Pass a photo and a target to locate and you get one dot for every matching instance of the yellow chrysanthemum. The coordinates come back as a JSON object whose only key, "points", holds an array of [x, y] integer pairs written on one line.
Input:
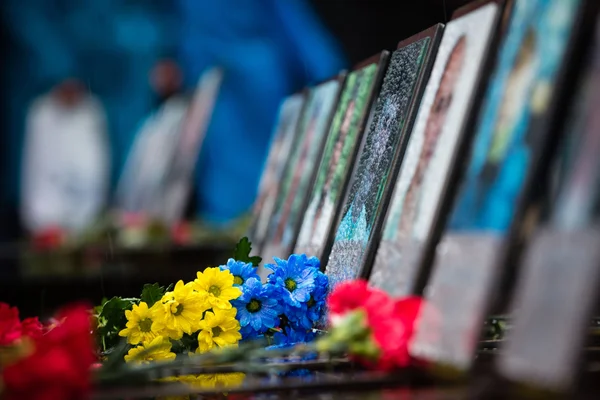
{"points": [[159, 349], [218, 287], [179, 311], [139, 325], [218, 328]]}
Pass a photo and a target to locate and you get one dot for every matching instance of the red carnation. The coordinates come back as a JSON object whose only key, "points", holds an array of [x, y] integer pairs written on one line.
{"points": [[350, 295], [10, 325], [59, 367], [394, 333], [32, 327], [391, 322]]}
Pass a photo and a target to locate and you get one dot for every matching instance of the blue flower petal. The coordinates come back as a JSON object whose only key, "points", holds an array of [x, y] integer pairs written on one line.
{"points": [[241, 269]]}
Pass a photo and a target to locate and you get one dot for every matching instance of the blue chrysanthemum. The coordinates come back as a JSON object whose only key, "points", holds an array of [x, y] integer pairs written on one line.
{"points": [[241, 271], [307, 314], [298, 316], [248, 332], [258, 307], [317, 299], [296, 277]]}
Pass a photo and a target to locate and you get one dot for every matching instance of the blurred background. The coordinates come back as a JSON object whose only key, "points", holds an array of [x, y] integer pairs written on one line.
{"points": [[92, 91]]}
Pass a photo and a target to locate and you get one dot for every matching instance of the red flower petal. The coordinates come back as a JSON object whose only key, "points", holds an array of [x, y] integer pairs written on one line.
{"points": [[59, 367], [394, 332], [392, 322], [32, 327], [10, 325], [349, 296]]}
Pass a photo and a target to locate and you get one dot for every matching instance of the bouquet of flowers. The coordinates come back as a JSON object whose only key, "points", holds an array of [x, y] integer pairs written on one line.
{"points": [[218, 309], [203, 324]]}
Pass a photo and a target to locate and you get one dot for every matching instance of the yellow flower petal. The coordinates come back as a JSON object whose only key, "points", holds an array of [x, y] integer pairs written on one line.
{"points": [[231, 293], [139, 325]]}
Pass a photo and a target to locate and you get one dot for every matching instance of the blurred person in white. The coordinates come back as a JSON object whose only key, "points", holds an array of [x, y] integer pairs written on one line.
{"points": [[66, 160]]}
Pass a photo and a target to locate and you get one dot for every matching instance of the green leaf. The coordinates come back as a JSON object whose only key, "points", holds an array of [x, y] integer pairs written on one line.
{"points": [[111, 320], [98, 308], [242, 252], [255, 260], [114, 357], [189, 343], [151, 293], [242, 249]]}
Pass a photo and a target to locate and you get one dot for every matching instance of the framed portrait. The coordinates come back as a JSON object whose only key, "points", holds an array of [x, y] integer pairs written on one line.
{"points": [[176, 188], [281, 145], [290, 203], [382, 148], [557, 292], [523, 108], [150, 155], [341, 147], [437, 141]]}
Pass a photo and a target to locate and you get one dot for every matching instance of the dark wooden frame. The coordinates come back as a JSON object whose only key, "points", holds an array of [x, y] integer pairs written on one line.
{"points": [[504, 271], [435, 33], [553, 124], [296, 137], [465, 138], [382, 60], [341, 78]]}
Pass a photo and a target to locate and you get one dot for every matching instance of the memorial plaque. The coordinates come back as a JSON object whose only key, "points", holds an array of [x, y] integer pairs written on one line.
{"points": [[283, 138], [306, 154], [514, 129], [340, 150], [383, 147], [433, 147], [558, 290]]}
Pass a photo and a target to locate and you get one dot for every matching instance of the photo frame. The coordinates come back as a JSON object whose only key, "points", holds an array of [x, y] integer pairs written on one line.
{"points": [[529, 89], [440, 135], [340, 151], [284, 136], [382, 149], [149, 156], [174, 189], [313, 127], [557, 292]]}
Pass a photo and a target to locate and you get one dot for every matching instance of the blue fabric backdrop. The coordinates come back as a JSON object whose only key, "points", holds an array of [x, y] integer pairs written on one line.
{"points": [[268, 48]]}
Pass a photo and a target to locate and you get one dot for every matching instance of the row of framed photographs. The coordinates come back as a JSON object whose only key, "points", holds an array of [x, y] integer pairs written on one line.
{"points": [[425, 169]]}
